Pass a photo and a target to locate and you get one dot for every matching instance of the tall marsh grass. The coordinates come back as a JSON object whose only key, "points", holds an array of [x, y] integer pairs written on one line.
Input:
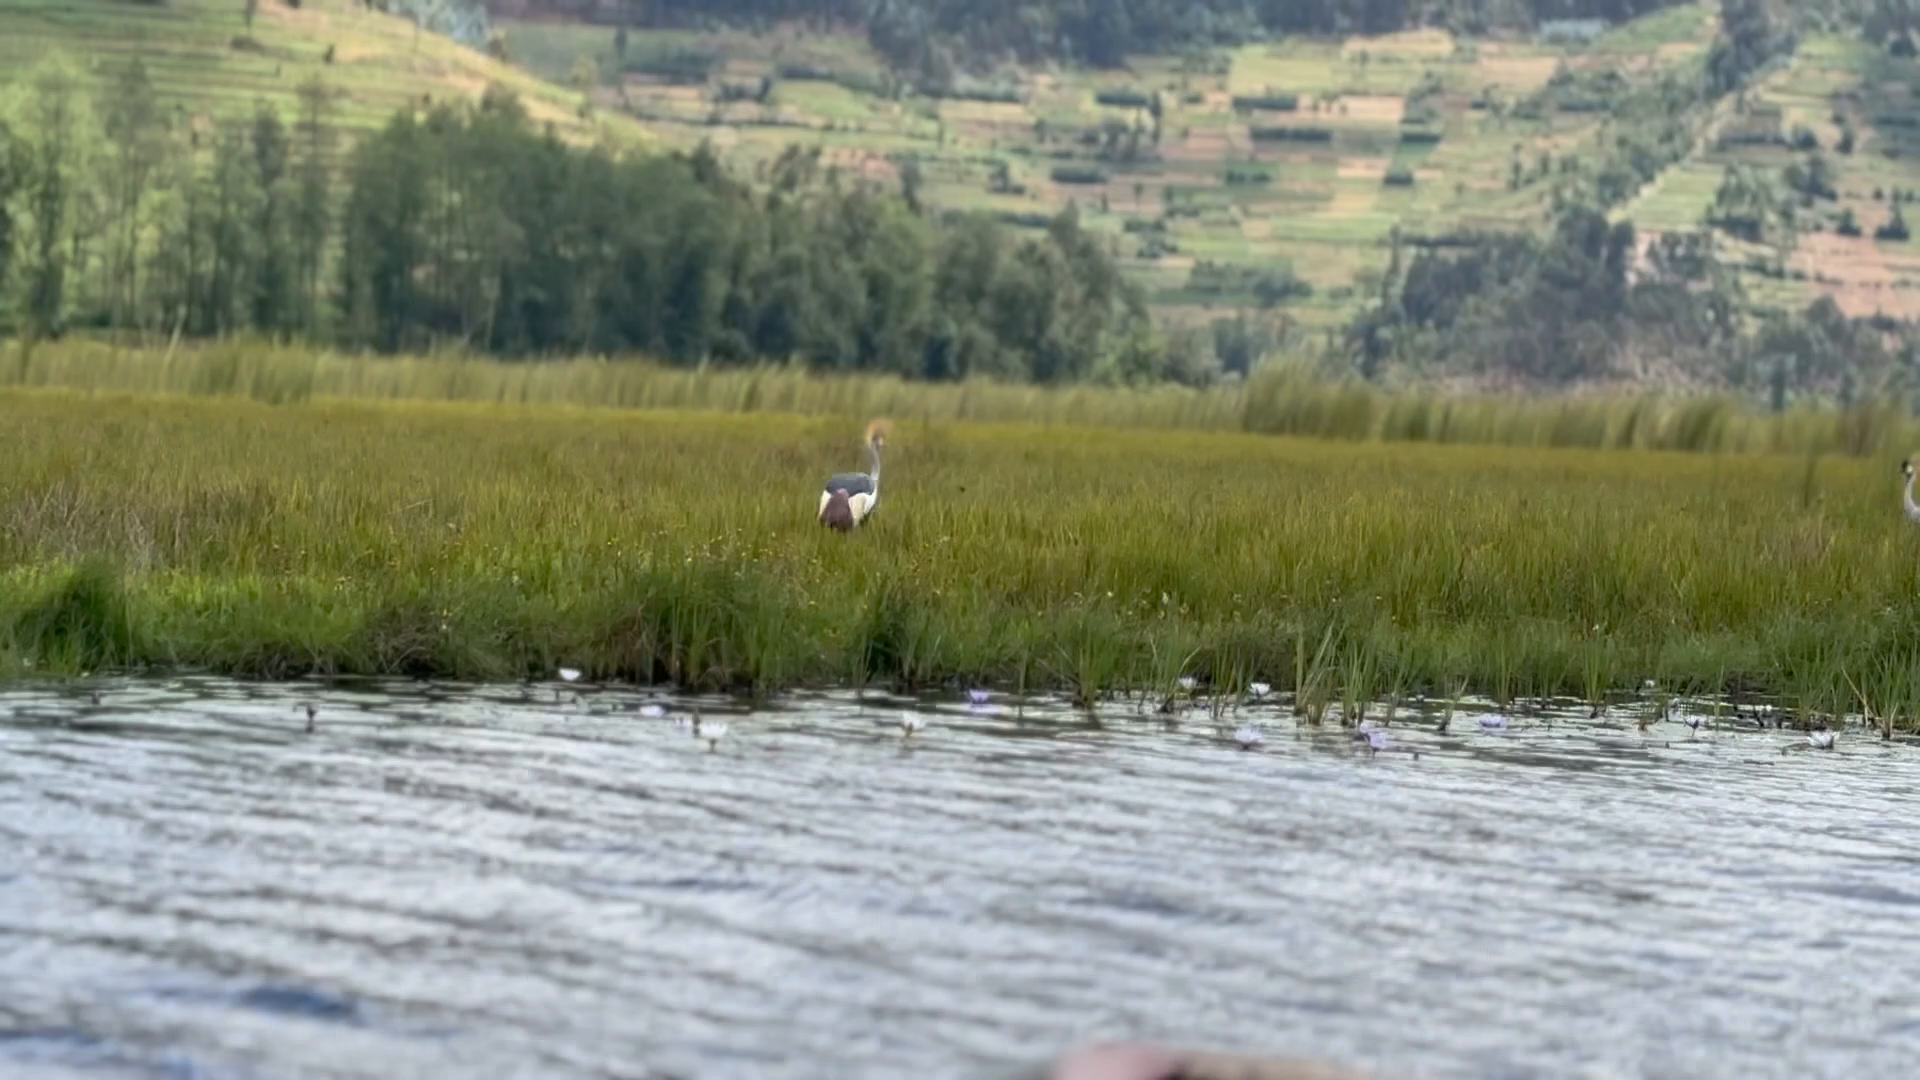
{"points": [[504, 541], [1281, 399]]}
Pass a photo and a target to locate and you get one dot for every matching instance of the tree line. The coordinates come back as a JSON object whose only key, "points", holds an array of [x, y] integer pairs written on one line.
{"points": [[463, 225], [122, 213], [942, 35], [1591, 302]]}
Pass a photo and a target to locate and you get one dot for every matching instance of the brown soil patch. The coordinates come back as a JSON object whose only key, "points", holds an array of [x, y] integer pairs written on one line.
{"points": [[1373, 108], [1184, 179], [861, 164], [1851, 259], [1346, 202], [1210, 146], [466, 83], [1120, 198], [308, 20], [346, 53], [985, 112], [1515, 74], [680, 95], [1862, 277], [1899, 300]]}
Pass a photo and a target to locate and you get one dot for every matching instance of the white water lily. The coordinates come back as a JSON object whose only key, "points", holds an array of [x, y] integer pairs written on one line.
{"points": [[977, 696], [652, 709], [570, 674], [1188, 682], [1259, 689], [1820, 740], [1493, 723], [1248, 736], [911, 723], [710, 730]]}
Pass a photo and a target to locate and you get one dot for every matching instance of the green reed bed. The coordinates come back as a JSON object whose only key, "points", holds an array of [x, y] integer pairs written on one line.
{"points": [[504, 541], [1283, 398]]}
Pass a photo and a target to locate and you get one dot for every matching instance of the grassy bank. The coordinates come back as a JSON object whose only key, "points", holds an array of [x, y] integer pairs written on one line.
{"points": [[1279, 400], [495, 542]]}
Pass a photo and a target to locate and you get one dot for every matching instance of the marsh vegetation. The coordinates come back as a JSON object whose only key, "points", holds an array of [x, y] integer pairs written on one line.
{"points": [[680, 546]]}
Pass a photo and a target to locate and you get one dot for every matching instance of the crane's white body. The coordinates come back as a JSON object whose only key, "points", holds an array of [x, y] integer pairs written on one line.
{"points": [[1912, 508], [861, 504], [863, 489]]}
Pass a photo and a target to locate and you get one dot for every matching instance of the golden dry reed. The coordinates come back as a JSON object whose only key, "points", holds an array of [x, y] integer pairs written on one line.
{"points": [[496, 541], [1284, 398]]}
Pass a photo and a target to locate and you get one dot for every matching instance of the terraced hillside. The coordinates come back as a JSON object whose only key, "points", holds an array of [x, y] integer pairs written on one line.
{"points": [[1853, 104], [203, 56], [1228, 178]]}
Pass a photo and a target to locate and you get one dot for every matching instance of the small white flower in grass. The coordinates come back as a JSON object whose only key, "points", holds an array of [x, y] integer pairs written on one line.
{"points": [[570, 674], [1259, 689]]}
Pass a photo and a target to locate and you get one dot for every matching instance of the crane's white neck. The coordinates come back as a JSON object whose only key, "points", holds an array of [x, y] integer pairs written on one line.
{"points": [[873, 455], [1913, 509]]}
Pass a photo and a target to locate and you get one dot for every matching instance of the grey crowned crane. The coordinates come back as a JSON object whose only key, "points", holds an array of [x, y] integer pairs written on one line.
{"points": [[1906, 498], [850, 497]]}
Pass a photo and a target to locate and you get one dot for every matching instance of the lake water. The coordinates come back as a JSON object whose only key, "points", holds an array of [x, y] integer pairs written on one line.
{"points": [[484, 881]]}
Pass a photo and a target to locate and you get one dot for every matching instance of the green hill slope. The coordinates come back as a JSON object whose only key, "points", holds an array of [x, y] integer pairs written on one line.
{"points": [[1228, 177], [203, 57]]}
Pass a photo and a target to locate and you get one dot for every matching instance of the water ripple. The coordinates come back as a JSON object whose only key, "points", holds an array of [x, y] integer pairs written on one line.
{"points": [[508, 880]]}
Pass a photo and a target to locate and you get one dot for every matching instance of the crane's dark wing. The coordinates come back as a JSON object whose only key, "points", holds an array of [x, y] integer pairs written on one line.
{"points": [[853, 483]]}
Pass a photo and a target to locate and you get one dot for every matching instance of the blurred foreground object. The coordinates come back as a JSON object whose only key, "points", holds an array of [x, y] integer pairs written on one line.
{"points": [[1145, 1061]]}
